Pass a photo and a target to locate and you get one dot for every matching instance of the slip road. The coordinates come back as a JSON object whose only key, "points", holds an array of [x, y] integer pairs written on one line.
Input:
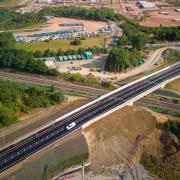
{"points": [[36, 142]]}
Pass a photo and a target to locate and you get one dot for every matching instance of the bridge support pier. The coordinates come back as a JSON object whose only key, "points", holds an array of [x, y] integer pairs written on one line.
{"points": [[130, 103], [163, 86]]}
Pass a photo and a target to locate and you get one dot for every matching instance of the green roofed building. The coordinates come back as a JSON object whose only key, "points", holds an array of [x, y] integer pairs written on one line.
{"points": [[65, 58], [74, 57], [88, 55], [79, 57], [70, 58], [61, 58]]}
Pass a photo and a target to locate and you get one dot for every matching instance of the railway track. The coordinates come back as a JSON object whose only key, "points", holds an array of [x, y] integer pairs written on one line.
{"points": [[158, 103], [46, 82]]}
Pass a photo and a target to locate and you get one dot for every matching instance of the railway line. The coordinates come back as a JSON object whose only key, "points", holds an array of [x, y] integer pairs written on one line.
{"points": [[31, 144], [47, 82]]}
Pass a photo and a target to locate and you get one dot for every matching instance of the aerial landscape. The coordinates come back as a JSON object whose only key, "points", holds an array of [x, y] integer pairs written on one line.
{"points": [[89, 90]]}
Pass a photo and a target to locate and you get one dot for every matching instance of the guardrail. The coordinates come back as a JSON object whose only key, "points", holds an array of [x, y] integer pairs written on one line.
{"points": [[89, 104]]}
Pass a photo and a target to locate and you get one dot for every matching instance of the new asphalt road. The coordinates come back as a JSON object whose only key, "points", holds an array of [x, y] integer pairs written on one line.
{"points": [[28, 146]]}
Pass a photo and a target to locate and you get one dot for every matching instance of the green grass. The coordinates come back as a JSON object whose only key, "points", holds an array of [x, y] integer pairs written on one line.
{"points": [[79, 159], [167, 171], [61, 44], [165, 111], [9, 3], [30, 26], [78, 93]]}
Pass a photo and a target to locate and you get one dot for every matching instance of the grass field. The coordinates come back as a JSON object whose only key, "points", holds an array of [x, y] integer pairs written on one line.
{"points": [[11, 3], [61, 44]]}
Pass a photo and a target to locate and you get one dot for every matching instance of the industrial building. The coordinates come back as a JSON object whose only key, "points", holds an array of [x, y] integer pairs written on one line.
{"points": [[49, 61], [45, 1], [146, 6], [87, 55]]}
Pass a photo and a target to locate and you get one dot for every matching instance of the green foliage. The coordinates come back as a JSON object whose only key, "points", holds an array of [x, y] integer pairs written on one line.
{"points": [[79, 159], [49, 53], [102, 14], [139, 40], [169, 34], [106, 84], [166, 111], [9, 19], [7, 40], [157, 33], [150, 164], [120, 59], [173, 126], [159, 168], [122, 41], [18, 59], [78, 78], [76, 42], [7, 116], [18, 98]]}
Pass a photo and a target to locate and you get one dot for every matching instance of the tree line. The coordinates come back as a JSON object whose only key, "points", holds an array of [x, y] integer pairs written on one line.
{"points": [[154, 33], [20, 60], [59, 52], [9, 19], [100, 14], [120, 59], [17, 98]]}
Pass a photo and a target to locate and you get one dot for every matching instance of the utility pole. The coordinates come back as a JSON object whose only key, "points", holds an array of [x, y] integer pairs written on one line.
{"points": [[82, 171]]}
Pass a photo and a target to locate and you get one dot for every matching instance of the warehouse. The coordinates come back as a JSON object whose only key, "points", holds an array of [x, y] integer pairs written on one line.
{"points": [[147, 6], [45, 1]]}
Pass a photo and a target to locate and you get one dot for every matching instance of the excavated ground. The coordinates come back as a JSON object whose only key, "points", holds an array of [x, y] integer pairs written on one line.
{"points": [[117, 142]]}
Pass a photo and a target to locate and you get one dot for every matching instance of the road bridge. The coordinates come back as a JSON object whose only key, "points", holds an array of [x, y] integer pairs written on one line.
{"points": [[85, 115]]}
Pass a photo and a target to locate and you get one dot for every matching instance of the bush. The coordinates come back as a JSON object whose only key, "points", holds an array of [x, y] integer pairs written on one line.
{"points": [[76, 42], [173, 126], [120, 59], [20, 60], [106, 84], [18, 98]]}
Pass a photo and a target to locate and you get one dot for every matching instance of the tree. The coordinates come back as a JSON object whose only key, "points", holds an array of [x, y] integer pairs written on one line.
{"points": [[47, 53], [118, 60], [122, 41], [38, 54], [7, 40], [7, 116], [135, 57], [139, 40], [76, 42]]}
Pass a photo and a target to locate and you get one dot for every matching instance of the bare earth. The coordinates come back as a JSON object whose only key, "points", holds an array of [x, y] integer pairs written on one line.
{"points": [[174, 85], [53, 25], [114, 145], [99, 62], [155, 19], [117, 142]]}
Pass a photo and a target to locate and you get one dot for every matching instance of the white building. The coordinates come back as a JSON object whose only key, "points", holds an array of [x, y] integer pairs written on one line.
{"points": [[45, 1], [147, 6]]}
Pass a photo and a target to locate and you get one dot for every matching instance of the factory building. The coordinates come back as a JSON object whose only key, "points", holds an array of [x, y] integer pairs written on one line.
{"points": [[46, 1], [146, 6]]}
